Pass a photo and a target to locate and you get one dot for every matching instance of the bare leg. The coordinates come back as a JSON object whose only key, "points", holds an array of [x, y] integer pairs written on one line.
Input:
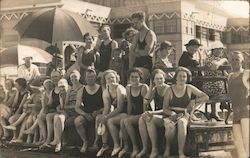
{"points": [[152, 131], [58, 128], [42, 127], [50, 126], [3, 122], [124, 138], [170, 130], [105, 146], [245, 134], [20, 120], [12, 119], [80, 124], [144, 136], [182, 133], [112, 124], [129, 124]]}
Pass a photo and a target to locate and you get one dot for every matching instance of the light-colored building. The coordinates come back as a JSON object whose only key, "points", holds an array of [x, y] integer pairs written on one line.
{"points": [[175, 20]]}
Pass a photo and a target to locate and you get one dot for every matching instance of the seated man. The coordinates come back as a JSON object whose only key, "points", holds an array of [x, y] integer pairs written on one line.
{"points": [[89, 104]]}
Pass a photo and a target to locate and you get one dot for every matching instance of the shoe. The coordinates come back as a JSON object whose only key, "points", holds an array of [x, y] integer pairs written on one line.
{"points": [[217, 118], [102, 150]]}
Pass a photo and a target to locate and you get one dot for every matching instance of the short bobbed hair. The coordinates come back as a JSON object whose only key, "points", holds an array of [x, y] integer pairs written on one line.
{"points": [[183, 69]]}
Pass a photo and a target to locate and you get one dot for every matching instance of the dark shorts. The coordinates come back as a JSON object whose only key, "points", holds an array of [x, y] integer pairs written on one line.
{"points": [[144, 61], [239, 114]]}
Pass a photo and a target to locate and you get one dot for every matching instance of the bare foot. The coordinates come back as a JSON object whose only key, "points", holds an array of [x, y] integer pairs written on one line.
{"points": [[53, 143], [134, 153], [84, 147], [154, 154], [182, 156], [115, 151], [142, 153], [122, 152]]}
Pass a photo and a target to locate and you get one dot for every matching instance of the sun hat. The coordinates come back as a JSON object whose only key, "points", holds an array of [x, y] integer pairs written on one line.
{"points": [[217, 44], [193, 42]]}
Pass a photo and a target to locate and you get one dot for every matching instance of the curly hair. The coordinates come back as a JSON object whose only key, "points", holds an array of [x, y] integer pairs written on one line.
{"points": [[109, 71]]}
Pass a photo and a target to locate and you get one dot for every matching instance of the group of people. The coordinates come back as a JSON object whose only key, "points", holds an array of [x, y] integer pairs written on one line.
{"points": [[122, 91]]}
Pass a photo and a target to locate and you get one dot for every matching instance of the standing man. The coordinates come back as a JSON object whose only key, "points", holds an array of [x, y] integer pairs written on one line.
{"points": [[143, 45], [28, 71], [106, 48]]}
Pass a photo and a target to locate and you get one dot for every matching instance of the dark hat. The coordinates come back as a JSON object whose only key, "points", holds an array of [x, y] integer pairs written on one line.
{"points": [[165, 44], [193, 42]]}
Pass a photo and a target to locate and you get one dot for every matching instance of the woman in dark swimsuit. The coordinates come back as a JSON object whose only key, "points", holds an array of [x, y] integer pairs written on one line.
{"points": [[52, 106], [114, 104], [136, 91], [147, 128], [67, 107], [178, 101]]}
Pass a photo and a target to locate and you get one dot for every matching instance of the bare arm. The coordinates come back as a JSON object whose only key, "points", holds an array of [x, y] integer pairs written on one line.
{"points": [[151, 41], [121, 95], [78, 108], [129, 105], [22, 103], [106, 102], [167, 97]]}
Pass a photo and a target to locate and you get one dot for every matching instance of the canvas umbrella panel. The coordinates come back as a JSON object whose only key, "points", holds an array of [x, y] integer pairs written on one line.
{"points": [[54, 25]]}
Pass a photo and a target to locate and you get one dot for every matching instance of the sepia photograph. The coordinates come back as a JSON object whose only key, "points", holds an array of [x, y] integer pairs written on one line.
{"points": [[124, 78]]}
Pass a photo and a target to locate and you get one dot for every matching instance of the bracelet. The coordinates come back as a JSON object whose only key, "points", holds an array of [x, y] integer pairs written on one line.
{"points": [[146, 98]]}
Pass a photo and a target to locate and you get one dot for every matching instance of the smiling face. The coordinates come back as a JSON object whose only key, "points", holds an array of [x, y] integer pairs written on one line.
{"points": [[90, 78], [74, 78], [88, 40], [181, 77], [134, 78], [55, 77], [159, 79], [110, 79]]}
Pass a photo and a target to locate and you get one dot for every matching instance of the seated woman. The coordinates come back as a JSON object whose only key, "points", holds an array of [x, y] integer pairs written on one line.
{"points": [[177, 100], [52, 107], [40, 121], [89, 104], [136, 91], [157, 91], [68, 102], [31, 109], [17, 106], [5, 107], [114, 104], [215, 88]]}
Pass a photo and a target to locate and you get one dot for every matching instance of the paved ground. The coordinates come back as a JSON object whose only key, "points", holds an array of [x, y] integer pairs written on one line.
{"points": [[10, 153]]}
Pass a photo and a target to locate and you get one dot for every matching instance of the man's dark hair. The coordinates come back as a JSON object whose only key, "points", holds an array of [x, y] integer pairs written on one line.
{"points": [[138, 15]]}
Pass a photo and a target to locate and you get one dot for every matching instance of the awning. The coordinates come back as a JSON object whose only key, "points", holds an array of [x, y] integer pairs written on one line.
{"points": [[92, 12]]}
